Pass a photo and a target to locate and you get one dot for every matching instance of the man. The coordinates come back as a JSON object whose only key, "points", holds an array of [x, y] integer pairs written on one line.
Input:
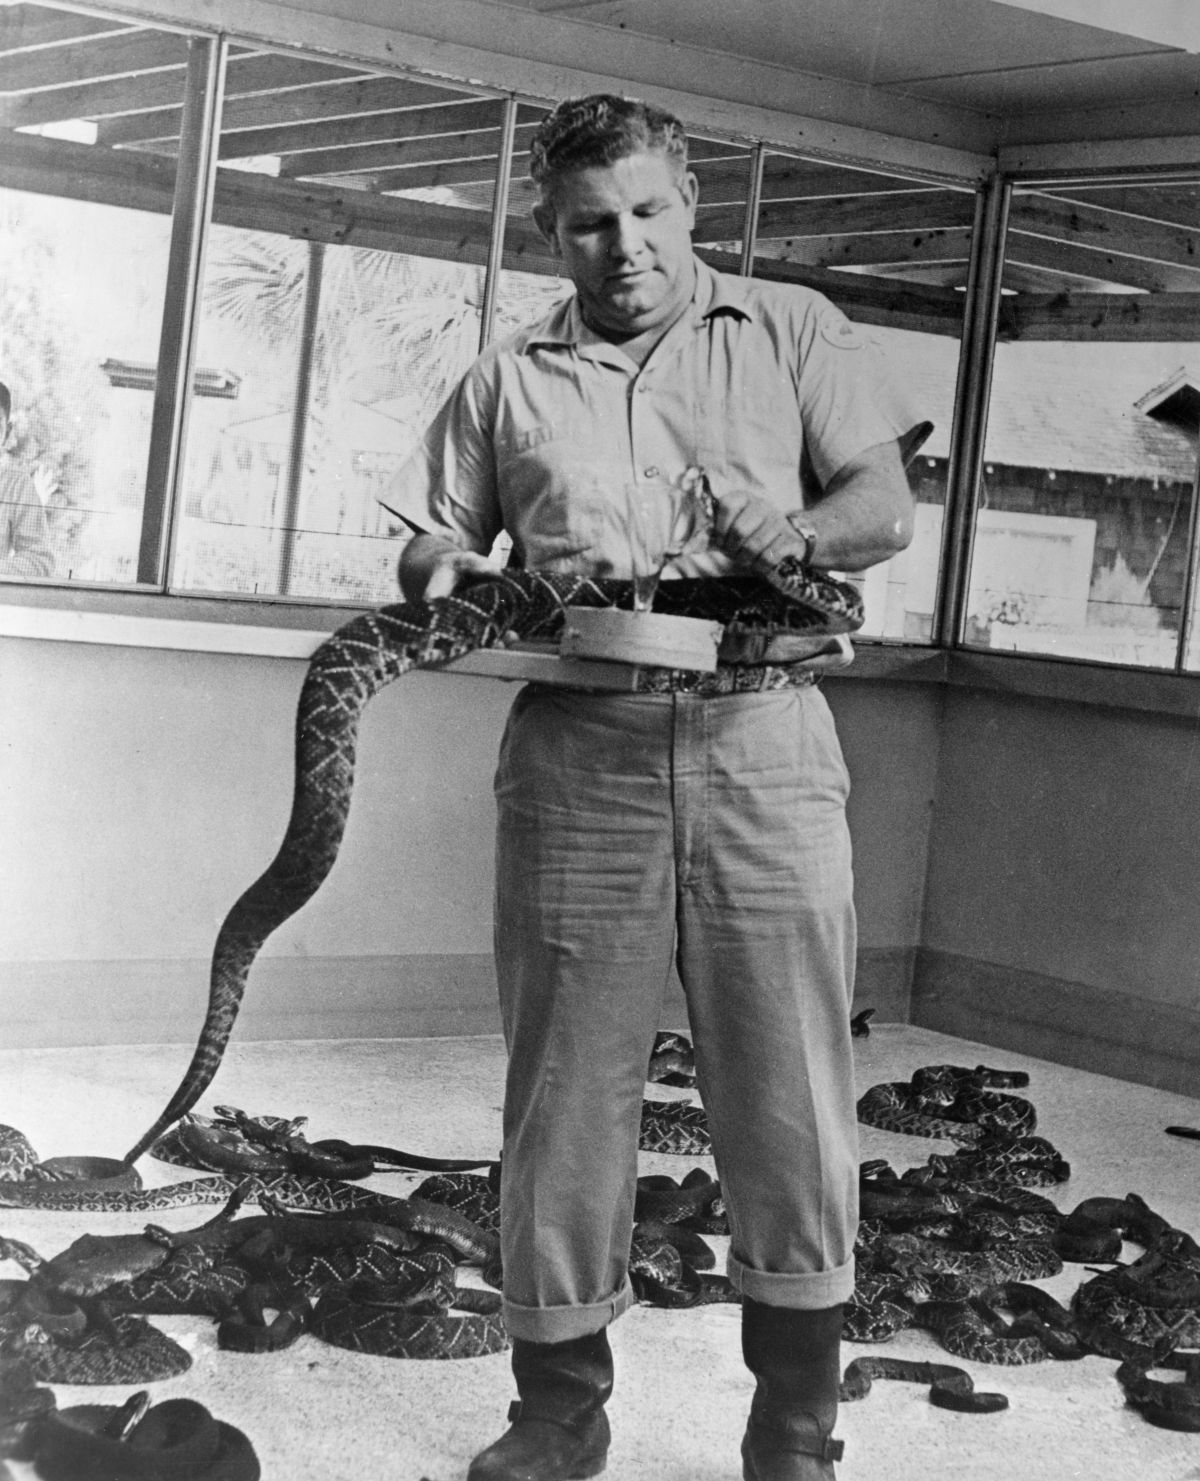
{"points": [[24, 533], [695, 821]]}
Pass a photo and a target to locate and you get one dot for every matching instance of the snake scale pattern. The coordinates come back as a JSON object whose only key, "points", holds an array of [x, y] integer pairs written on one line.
{"points": [[952, 1246], [343, 675], [372, 651]]}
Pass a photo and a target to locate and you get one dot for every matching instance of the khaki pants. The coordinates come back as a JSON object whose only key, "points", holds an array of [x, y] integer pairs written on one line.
{"points": [[632, 829]]}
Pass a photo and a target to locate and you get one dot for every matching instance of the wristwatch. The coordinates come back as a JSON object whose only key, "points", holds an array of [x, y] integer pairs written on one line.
{"points": [[807, 534]]}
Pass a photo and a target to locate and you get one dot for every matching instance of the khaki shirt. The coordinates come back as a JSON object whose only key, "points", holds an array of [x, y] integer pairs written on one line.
{"points": [[559, 438]]}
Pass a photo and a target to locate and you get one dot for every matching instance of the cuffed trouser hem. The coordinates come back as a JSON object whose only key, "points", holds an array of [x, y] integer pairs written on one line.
{"points": [[564, 1323], [803, 1291]]}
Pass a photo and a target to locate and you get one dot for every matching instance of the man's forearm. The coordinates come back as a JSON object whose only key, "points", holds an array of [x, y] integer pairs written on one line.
{"points": [[865, 515]]}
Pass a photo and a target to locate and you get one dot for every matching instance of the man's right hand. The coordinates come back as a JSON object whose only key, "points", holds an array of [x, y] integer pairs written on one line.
{"points": [[431, 567]]}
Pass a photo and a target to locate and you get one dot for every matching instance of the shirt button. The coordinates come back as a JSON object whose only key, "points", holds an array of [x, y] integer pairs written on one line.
{"points": [[651, 472]]}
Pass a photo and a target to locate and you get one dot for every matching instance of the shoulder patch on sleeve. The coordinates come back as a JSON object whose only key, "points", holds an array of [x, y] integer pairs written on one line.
{"points": [[837, 330]]}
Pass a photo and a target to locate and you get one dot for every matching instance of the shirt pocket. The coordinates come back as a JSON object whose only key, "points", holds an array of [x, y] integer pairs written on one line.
{"points": [[552, 481], [764, 441]]}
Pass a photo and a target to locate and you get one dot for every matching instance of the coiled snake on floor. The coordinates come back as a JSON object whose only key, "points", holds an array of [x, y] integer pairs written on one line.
{"points": [[343, 675], [370, 652]]}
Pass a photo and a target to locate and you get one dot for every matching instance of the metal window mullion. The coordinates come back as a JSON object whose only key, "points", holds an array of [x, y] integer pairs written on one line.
{"points": [[300, 409], [971, 394], [1188, 617], [753, 203], [495, 261], [195, 177]]}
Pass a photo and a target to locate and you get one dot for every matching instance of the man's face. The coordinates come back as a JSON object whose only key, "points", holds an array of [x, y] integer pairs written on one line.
{"points": [[623, 232]]}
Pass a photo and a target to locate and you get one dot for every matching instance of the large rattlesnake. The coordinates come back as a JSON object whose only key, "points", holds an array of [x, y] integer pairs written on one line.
{"points": [[360, 658]]}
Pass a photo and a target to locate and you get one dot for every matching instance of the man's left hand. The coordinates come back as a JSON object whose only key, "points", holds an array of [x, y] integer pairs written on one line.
{"points": [[752, 531]]}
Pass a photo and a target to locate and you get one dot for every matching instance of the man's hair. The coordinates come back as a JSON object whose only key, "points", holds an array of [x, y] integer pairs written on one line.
{"points": [[5, 401], [584, 133]]}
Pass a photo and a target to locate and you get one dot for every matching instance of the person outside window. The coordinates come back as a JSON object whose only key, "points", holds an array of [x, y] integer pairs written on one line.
{"points": [[695, 823], [24, 533]]}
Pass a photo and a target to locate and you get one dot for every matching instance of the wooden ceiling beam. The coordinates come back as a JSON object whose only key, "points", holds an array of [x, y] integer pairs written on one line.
{"points": [[1177, 205], [481, 171], [879, 250], [1102, 317], [342, 97], [146, 182], [119, 54], [917, 211], [1103, 231], [375, 157], [1019, 278], [141, 181], [722, 182], [246, 71], [1074, 260], [23, 27], [936, 274], [714, 149], [785, 178], [930, 310], [370, 128], [92, 99]]}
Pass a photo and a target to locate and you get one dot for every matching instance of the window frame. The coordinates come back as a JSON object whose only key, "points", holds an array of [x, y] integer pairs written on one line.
{"points": [[149, 601]]}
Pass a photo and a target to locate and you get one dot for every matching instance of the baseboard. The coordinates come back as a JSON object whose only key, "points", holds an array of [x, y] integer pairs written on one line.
{"points": [[1090, 1028], [68, 1004]]}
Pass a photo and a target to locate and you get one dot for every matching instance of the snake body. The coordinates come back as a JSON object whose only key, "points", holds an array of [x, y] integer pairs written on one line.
{"points": [[1170, 1405], [949, 1387], [44, 1341], [444, 1321], [344, 673], [373, 650], [963, 1105], [678, 1127], [1151, 1305]]}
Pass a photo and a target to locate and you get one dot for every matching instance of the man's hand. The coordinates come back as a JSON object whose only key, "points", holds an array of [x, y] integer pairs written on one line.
{"points": [[752, 531], [450, 571], [431, 567]]}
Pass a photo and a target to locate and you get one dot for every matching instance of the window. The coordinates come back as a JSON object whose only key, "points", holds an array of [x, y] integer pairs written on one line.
{"points": [[893, 254], [1085, 528], [343, 284], [342, 293], [236, 282], [85, 229]]}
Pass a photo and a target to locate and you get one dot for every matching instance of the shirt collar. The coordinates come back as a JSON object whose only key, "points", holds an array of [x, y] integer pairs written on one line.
{"points": [[718, 293], [714, 293]]}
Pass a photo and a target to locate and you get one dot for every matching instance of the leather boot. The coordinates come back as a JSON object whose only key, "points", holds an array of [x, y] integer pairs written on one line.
{"points": [[558, 1430], [796, 1357]]}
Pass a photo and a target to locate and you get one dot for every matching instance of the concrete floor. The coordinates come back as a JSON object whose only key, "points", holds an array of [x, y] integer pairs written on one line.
{"points": [[317, 1412]]}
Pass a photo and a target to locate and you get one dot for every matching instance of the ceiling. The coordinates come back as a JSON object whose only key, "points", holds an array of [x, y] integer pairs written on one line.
{"points": [[1006, 60], [346, 153]]}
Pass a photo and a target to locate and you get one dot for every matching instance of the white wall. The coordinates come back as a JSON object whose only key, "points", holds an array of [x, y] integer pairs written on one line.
{"points": [[141, 790]]}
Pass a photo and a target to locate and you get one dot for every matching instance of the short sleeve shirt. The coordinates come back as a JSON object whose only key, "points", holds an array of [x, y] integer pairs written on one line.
{"points": [[559, 438]]}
